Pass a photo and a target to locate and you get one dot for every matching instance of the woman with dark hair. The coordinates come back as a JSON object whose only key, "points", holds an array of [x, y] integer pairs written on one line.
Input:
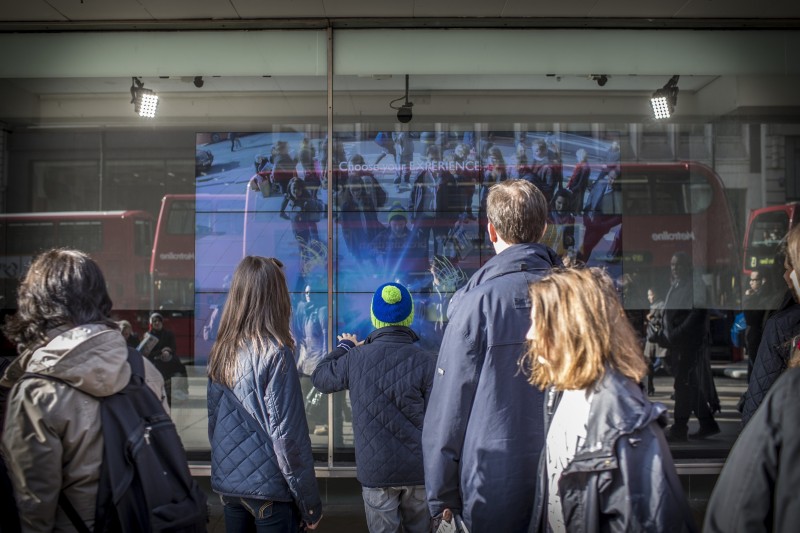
{"points": [[261, 461], [606, 465], [53, 439]]}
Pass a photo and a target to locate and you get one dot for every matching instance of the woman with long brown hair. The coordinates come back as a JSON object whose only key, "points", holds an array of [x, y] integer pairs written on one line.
{"points": [[261, 461], [606, 464]]}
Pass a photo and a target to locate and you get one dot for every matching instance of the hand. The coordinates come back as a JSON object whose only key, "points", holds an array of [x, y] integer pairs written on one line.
{"points": [[314, 525], [447, 516], [350, 337]]}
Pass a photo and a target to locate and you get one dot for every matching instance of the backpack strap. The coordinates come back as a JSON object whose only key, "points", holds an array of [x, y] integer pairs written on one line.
{"points": [[72, 514]]}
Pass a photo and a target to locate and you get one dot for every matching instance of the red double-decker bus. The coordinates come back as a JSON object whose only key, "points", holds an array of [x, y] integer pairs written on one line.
{"points": [[120, 242], [663, 208], [766, 228], [198, 240]]}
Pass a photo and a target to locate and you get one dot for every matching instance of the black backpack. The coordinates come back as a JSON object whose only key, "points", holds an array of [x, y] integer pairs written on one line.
{"points": [[145, 483]]}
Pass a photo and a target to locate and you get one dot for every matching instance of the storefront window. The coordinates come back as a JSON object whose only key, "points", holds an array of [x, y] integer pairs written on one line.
{"points": [[397, 192]]}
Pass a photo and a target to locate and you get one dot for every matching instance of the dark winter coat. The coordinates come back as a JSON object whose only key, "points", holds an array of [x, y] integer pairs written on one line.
{"points": [[757, 488], [483, 430], [622, 478], [276, 463], [390, 379], [773, 356]]}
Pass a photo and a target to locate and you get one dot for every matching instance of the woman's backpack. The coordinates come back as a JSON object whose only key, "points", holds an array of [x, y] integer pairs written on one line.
{"points": [[145, 483]]}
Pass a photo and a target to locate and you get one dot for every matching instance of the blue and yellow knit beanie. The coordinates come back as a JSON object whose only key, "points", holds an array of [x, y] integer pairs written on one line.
{"points": [[392, 306]]}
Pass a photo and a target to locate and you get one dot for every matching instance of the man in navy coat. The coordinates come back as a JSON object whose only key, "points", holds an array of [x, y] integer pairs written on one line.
{"points": [[483, 431]]}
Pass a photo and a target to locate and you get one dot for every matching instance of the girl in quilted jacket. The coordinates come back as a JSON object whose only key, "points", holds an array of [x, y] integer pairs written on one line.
{"points": [[261, 461], [606, 465]]}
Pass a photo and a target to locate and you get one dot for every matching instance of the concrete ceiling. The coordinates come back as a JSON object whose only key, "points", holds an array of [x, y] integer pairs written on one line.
{"points": [[219, 13]]}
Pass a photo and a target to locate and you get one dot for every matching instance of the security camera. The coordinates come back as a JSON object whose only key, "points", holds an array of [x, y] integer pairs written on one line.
{"points": [[601, 79], [198, 81], [404, 113]]}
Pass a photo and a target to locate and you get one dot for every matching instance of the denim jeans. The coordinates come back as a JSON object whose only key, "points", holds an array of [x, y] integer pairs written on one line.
{"points": [[248, 515], [389, 507]]}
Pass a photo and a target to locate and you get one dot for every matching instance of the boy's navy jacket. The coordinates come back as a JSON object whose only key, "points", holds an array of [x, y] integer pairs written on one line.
{"points": [[242, 464], [390, 380]]}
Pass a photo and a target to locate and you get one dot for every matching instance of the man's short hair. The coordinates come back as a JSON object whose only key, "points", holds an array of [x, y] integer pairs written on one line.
{"points": [[518, 211]]}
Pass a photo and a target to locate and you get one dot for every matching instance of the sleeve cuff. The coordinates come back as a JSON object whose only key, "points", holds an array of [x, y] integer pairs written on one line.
{"points": [[346, 345]]}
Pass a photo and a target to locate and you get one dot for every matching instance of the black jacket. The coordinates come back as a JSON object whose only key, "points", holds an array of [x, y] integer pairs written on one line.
{"points": [[623, 477], [758, 487]]}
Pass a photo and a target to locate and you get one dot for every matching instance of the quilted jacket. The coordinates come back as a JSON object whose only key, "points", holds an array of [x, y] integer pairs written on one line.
{"points": [[483, 431], [773, 356], [263, 451], [390, 381]]}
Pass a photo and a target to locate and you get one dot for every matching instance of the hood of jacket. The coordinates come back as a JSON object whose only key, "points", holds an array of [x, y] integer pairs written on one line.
{"points": [[92, 358]]}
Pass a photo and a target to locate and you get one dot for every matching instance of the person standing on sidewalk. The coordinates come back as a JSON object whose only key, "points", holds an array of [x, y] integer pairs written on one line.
{"points": [[390, 378], [483, 431]]}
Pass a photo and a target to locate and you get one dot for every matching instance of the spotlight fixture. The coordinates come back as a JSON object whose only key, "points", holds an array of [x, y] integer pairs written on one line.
{"points": [[145, 101], [404, 114], [198, 81], [601, 79], [665, 99]]}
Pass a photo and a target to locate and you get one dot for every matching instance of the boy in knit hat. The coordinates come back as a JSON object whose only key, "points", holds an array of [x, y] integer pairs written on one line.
{"points": [[390, 379]]}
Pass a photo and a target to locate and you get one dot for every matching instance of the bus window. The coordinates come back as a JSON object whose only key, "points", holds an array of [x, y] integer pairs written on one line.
{"points": [[84, 235], [181, 218], [700, 194], [143, 238], [29, 238], [765, 231]]}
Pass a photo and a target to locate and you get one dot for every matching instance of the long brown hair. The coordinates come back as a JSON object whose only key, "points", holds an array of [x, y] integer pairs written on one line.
{"points": [[578, 328], [257, 313]]}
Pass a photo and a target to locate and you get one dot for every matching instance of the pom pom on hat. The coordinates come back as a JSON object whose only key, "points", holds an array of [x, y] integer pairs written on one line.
{"points": [[392, 305]]}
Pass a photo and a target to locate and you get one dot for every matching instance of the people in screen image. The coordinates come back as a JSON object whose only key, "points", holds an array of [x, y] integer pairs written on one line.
{"points": [[53, 437], [311, 332], [400, 251], [261, 461], [602, 213], [579, 180], [358, 217], [607, 465]]}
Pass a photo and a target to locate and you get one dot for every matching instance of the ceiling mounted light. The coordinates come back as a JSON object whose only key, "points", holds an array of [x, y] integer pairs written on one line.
{"points": [[665, 99], [404, 114], [145, 101]]}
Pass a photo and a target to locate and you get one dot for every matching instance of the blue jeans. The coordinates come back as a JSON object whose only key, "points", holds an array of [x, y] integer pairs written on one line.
{"points": [[389, 507], [248, 515]]}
